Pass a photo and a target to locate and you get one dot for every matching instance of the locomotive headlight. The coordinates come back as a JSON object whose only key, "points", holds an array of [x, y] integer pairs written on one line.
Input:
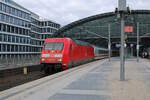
{"points": [[60, 60], [43, 60], [45, 55], [58, 55]]}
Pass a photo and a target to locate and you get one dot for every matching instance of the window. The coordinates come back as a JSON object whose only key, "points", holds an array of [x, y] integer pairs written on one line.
{"points": [[49, 23], [10, 9], [52, 31], [2, 17], [23, 15], [48, 29], [12, 48], [4, 47], [8, 48], [24, 33], [16, 30], [28, 32], [26, 16], [1, 6], [4, 8], [45, 23], [17, 21], [12, 29], [42, 23], [7, 19], [0, 48], [54, 46], [8, 28], [24, 40], [26, 24], [11, 20], [20, 40], [20, 31], [16, 12], [29, 41], [43, 30], [22, 23], [1, 37], [16, 48], [20, 50], [7, 9], [17, 39], [27, 49], [9, 38], [13, 11], [52, 25], [4, 27], [5, 38], [13, 39], [19, 13], [23, 48], [0, 27]]}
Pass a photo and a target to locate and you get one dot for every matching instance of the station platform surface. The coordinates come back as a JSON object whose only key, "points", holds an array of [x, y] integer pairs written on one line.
{"points": [[99, 80]]}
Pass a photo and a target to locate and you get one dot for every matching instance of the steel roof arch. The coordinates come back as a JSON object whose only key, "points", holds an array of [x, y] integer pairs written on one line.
{"points": [[95, 17]]}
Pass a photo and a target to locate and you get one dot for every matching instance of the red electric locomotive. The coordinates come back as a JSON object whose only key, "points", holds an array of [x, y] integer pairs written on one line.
{"points": [[64, 53]]}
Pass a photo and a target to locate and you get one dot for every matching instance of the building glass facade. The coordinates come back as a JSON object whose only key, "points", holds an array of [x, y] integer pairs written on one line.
{"points": [[22, 32]]}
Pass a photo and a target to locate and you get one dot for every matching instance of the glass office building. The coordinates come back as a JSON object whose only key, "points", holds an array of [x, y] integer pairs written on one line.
{"points": [[22, 32]]}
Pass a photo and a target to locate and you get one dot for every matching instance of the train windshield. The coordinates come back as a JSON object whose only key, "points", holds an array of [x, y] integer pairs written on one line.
{"points": [[54, 46]]}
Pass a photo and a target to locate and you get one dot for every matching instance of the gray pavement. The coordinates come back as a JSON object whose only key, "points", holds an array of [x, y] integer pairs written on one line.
{"points": [[95, 81]]}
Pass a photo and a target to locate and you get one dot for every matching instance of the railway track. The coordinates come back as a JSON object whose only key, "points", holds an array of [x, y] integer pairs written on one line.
{"points": [[12, 81], [33, 85], [15, 77]]}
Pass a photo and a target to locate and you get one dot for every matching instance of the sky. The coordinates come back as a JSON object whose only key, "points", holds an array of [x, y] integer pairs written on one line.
{"points": [[67, 11]]}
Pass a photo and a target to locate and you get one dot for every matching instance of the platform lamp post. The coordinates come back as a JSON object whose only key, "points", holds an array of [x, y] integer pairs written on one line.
{"points": [[122, 66], [109, 41], [138, 37], [121, 11]]}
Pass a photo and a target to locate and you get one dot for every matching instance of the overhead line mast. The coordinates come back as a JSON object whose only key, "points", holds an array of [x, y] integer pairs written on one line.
{"points": [[121, 11]]}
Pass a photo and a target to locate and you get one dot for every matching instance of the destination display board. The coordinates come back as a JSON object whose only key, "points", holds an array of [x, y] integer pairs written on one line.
{"points": [[128, 29]]}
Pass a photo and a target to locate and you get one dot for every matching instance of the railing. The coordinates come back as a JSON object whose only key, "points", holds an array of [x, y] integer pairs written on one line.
{"points": [[22, 61]]}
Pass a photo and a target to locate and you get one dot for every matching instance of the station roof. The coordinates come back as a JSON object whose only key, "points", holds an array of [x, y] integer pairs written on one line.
{"points": [[95, 17], [97, 26]]}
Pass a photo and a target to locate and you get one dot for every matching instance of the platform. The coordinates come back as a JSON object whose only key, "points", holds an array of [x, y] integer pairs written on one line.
{"points": [[98, 80]]}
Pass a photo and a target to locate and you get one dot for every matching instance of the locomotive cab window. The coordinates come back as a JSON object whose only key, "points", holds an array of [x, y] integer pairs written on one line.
{"points": [[54, 46]]}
